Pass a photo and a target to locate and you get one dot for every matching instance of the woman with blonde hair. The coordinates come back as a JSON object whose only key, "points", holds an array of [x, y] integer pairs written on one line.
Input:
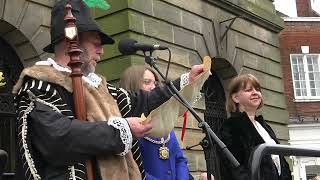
{"points": [[244, 130], [162, 157]]}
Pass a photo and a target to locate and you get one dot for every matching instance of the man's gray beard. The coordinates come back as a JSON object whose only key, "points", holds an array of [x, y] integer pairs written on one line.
{"points": [[87, 68]]}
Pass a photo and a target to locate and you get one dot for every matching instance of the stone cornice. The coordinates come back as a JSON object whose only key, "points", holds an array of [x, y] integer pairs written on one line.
{"points": [[276, 25]]}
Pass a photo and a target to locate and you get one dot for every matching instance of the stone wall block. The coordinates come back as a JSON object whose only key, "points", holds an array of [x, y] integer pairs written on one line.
{"points": [[260, 63], [178, 55], [41, 39], [144, 6], [191, 21], [274, 99], [14, 9], [48, 3], [201, 45], [280, 130], [2, 6], [179, 122], [32, 19], [167, 12], [159, 29], [136, 22], [274, 114], [111, 24], [26, 51], [266, 80], [184, 38], [211, 35], [195, 58], [175, 71], [193, 159], [191, 137]]}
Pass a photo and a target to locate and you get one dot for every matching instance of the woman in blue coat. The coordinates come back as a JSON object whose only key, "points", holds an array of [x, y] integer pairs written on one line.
{"points": [[162, 157]]}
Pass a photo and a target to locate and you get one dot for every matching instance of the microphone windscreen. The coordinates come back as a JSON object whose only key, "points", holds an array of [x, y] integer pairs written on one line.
{"points": [[126, 46]]}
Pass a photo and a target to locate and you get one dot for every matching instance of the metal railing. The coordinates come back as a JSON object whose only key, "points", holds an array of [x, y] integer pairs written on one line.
{"points": [[284, 150]]}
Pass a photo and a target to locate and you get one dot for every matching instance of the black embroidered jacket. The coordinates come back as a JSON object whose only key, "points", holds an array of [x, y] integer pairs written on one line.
{"points": [[52, 144]]}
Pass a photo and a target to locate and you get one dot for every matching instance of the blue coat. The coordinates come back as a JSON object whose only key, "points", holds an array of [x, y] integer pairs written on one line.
{"points": [[174, 168]]}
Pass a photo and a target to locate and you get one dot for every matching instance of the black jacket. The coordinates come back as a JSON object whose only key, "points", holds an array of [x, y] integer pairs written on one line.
{"points": [[241, 138], [56, 140]]}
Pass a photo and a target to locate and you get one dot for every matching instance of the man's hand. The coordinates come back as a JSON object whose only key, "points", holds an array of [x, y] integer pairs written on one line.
{"points": [[195, 71], [138, 130]]}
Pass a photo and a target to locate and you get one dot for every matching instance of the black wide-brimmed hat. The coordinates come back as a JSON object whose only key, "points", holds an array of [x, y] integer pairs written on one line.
{"points": [[84, 22]]}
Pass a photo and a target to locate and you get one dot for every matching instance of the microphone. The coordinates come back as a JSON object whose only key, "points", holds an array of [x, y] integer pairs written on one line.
{"points": [[131, 46]]}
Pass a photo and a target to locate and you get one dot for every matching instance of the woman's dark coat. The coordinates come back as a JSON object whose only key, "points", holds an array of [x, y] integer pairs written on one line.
{"points": [[241, 138]]}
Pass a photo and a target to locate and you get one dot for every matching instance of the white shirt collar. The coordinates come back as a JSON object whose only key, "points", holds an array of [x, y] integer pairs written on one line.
{"points": [[92, 78]]}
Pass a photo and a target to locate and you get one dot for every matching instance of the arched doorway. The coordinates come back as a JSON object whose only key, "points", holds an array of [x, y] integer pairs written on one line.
{"points": [[214, 115], [10, 69]]}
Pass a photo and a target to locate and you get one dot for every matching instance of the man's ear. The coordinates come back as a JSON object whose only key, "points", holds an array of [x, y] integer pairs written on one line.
{"points": [[235, 97]]}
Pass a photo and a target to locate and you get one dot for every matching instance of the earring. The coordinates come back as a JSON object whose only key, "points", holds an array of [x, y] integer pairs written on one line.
{"points": [[237, 107]]}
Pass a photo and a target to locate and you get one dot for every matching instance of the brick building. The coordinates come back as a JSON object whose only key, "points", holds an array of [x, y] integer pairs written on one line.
{"points": [[243, 34], [300, 54]]}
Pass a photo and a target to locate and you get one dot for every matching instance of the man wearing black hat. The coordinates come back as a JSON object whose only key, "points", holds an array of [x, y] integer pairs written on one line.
{"points": [[52, 144]]}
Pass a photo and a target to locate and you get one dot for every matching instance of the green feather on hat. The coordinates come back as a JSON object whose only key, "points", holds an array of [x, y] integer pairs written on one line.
{"points": [[102, 4]]}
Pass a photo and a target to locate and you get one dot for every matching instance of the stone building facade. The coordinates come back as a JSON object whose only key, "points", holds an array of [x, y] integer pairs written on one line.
{"points": [[241, 35]]}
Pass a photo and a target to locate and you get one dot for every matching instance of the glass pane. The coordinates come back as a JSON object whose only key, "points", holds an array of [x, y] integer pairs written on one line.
{"points": [[294, 68], [313, 92], [312, 85], [297, 85], [316, 75], [309, 60], [301, 68], [318, 92], [303, 84], [298, 92], [300, 60], [311, 77], [304, 92], [310, 67], [302, 76], [294, 61], [296, 76], [315, 59]]}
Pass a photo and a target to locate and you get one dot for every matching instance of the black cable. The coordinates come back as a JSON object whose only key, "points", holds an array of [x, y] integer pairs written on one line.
{"points": [[168, 66]]}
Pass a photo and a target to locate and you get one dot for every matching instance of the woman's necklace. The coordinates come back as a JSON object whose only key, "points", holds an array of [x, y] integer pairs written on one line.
{"points": [[163, 150]]}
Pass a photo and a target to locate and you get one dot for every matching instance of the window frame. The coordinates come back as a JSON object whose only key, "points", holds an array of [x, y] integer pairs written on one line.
{"points": [[308, 97]]}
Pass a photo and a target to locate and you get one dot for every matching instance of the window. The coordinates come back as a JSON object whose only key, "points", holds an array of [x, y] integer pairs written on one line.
{"points": [[306, 76], [315, 5]]}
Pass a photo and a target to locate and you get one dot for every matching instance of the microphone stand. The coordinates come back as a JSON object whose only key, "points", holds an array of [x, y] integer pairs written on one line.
{"points": [[202, 124], [204, 143]]}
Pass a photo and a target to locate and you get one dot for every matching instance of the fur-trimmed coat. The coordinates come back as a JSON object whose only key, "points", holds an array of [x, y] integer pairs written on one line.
{"points": [[52, 144], [241, 138]]}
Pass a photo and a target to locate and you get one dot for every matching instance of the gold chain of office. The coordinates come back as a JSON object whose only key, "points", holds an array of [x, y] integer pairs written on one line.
{"points": [[163, 150]]}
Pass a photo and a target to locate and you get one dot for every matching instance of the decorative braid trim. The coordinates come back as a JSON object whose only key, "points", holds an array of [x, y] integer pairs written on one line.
{"points": [[128, 99], [184, 80], [35, 98], [72, 173], [197, 97], [125, 134], [27, 154]]}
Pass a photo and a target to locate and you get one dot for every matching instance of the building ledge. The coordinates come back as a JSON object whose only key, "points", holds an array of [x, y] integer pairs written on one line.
{"points": [[301, 19]]}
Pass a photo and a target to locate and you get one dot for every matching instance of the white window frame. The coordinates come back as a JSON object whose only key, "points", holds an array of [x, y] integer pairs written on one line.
{"points": [[308, 97]]}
